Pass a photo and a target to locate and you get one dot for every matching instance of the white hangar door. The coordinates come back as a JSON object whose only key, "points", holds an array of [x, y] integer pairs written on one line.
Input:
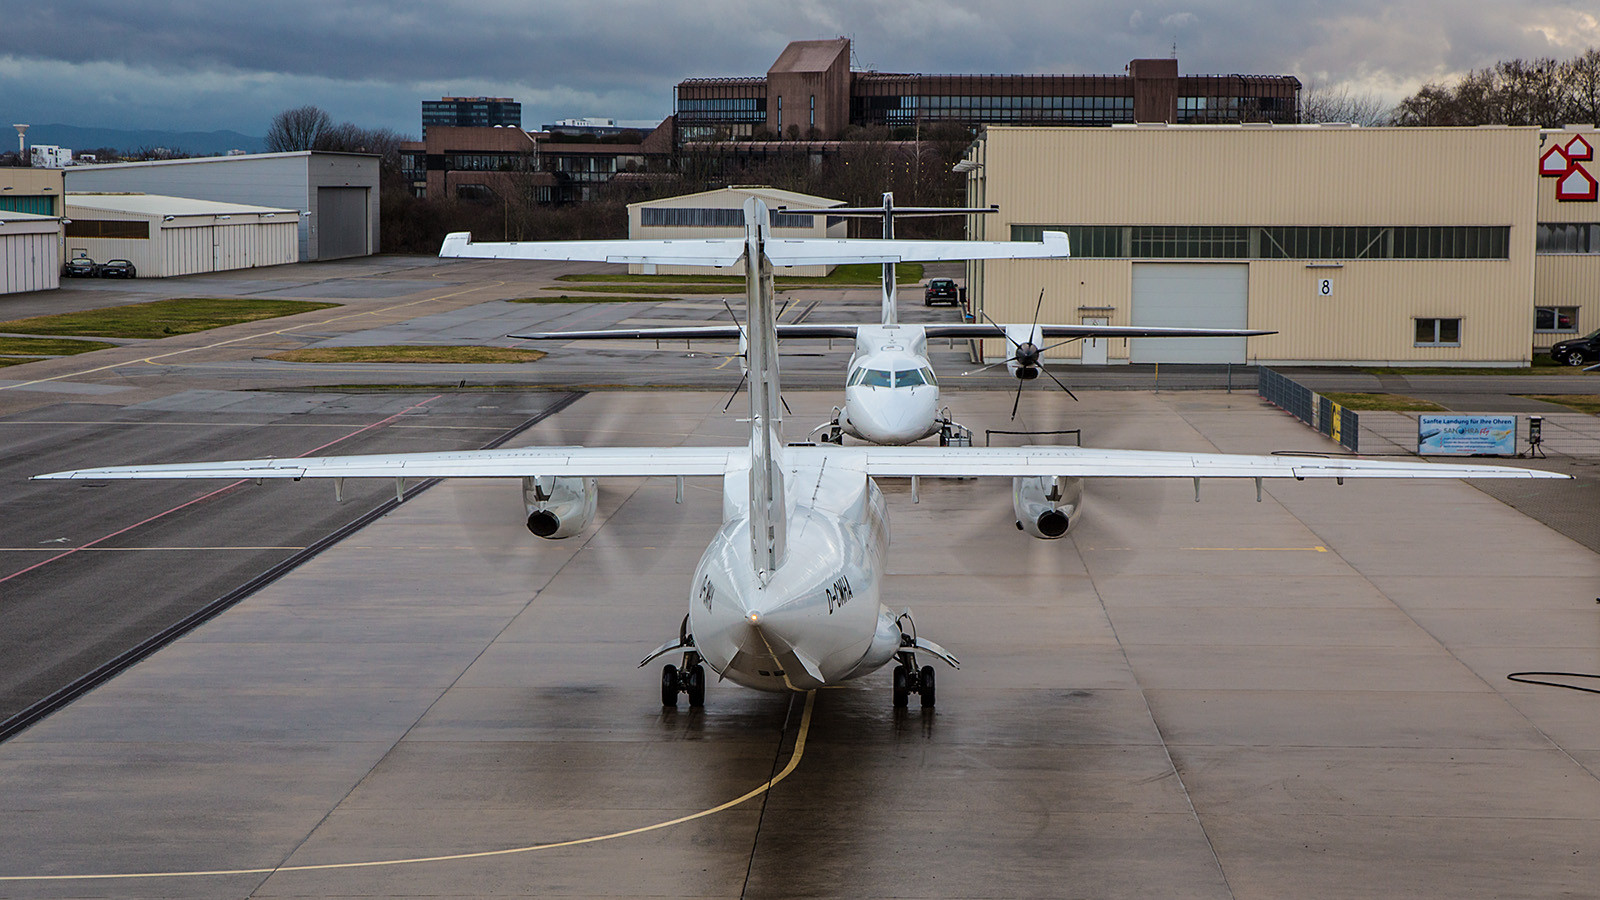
{"points": [[1191, 296], [341, 222]]}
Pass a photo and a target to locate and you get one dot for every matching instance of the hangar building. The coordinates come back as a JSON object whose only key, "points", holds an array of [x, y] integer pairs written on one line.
{"points": [[164, 236], [336, 193], [1359, 246], [30, 252], [720, 214]]}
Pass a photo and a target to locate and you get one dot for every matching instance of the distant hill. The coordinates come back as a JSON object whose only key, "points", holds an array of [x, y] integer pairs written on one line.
{"points": [[200, 143]]}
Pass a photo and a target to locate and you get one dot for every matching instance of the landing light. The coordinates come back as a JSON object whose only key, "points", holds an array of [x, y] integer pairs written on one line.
{"points": [[754, 618]]}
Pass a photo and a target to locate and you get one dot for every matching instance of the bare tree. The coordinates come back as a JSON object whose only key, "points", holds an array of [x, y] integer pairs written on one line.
{"points": [[1544, 92], [297, 129], [1322, 102], [1581, 77]]}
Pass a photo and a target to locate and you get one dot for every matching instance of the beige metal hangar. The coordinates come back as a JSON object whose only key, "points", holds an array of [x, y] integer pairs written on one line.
{"points": [[1402, 246], [720, 214], [165, 236], [1566, 270], [30, 252]]}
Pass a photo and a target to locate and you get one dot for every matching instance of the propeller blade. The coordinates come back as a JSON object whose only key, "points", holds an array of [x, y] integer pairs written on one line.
{"points": [[991, 365], [1060, 344], [735, 318], [1018, 401], [1058, 383], [1038, 306], [998, 327], [736, 388]]}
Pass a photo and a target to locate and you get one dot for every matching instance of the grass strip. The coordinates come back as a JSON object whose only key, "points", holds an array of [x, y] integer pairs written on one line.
{"points": [[1383, 402], [668, 290], [161, 318], [407, 353], [21, 346], [1584, 403]]}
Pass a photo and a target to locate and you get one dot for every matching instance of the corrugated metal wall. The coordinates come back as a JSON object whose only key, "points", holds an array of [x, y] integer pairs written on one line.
{"points": [[1251, 176], [29, 262]]}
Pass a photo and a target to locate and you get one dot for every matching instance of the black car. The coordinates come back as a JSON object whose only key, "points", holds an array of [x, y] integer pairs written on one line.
{"points": [[1577, 351], [80, 267], [118, 268], [942, 290]]}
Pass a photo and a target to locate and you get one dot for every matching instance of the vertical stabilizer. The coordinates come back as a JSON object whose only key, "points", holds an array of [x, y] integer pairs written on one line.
{"points": [[890, 312], [769, 515]]}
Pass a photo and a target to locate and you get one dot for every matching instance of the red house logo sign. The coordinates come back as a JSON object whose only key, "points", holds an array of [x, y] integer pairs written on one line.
{"points": [[1563, 162]]}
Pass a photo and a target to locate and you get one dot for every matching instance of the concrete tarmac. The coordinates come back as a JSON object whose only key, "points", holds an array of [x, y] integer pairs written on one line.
{"points": [[1301, 697]]}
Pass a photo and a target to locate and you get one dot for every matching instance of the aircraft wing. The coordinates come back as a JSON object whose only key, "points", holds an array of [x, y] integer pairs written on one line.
{"points": [[689, 332], [705, 252], [1084, 462], [508, 463], [872, 460], [842, 251], [986, 330]]}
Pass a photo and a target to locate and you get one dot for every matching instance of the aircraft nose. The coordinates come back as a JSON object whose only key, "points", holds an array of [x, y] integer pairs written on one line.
{"points": [[894, 417]]}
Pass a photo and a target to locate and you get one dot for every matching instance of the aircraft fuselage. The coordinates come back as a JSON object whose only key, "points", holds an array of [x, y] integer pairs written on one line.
{"points": [[818, 618], [891, 395]]}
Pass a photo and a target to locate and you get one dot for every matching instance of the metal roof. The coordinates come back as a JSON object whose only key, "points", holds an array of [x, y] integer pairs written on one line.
{"points": [[7, 215], [201, 160], [162, 205]]}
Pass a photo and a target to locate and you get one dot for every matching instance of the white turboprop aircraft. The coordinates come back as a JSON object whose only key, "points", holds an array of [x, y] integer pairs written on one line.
{"points": [[891, 395], [788, 596]]}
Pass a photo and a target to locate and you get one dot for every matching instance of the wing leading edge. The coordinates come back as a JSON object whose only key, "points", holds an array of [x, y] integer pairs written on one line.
{"points": [[871, 460]]}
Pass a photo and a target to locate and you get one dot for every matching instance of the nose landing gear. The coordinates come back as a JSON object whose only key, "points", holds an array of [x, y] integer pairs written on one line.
{"points": [[690, 679], [908, 677]]}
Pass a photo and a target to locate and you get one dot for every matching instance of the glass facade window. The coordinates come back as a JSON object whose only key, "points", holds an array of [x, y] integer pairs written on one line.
{"points": [[1438, 333], [1555, 319], [1278, 242], [1568, 237]]}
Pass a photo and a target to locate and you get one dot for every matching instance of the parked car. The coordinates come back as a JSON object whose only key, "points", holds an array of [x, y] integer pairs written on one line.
{"points": [[118, 268], [1578, 351], [80, 267], [942, 290]]}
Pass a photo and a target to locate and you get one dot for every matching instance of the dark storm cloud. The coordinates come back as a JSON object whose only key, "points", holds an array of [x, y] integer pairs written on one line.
{"points": [[226, 65]]}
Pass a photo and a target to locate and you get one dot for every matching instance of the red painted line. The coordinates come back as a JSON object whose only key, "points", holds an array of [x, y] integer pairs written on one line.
{"points": [[214, 493]]}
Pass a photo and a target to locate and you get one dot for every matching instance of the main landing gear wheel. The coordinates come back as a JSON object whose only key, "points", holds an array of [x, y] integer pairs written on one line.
{"points": [[902, 690], [697, 686], [926, 680], [669, 685]]}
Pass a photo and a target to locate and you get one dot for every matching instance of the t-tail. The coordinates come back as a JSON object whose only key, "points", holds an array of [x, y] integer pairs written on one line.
{"points": [[890, 314], [769, 514]]}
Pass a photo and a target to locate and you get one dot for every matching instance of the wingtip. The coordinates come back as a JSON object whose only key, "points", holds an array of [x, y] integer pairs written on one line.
{"points": [[454, 243]]}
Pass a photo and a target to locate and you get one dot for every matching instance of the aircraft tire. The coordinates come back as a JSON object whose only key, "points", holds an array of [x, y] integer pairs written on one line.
{"points": [[902, 691], [697, 686], [926, 679], [669, 685]]}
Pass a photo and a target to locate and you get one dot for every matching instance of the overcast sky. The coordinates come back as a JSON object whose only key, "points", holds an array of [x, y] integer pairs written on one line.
{"points": [[204, 65]]}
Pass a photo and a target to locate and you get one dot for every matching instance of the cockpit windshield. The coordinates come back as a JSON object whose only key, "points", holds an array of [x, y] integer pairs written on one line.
{"points": [[908, 378], [877, 378]]}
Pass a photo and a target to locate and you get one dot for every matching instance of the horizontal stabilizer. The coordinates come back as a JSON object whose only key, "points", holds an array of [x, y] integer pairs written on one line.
{"points": [[707, 252], [844, 251]]}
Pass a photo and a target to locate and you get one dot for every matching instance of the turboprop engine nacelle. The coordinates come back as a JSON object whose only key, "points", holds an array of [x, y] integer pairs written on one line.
{"points": [[1023, 343], [1046, 505], [559, 507]]}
